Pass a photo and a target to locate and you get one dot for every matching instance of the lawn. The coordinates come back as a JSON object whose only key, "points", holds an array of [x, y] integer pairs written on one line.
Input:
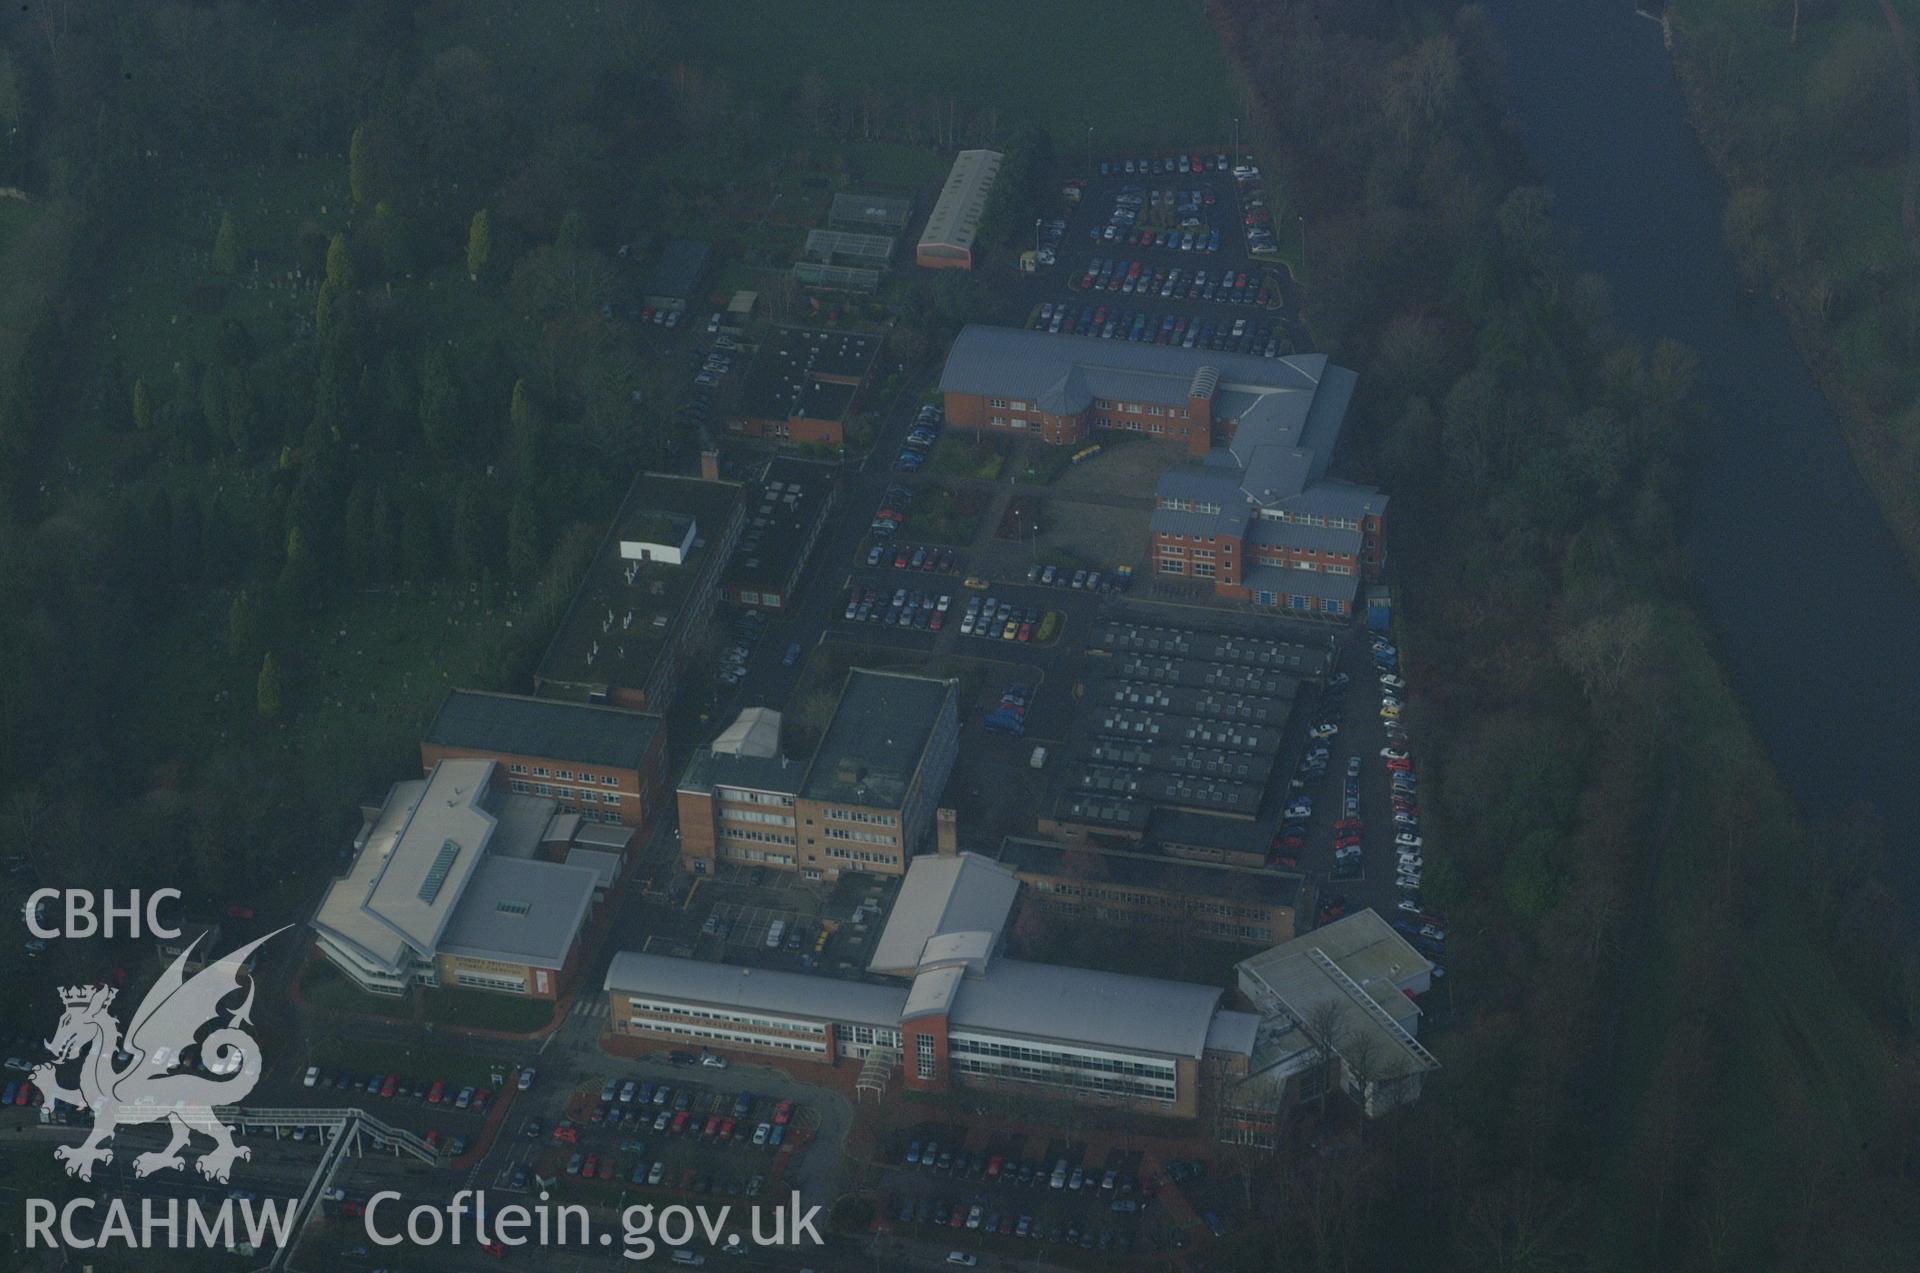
{"points": [[1045, 463], [482, 1010], [1054, 65], [940, 516], [979, 455]]}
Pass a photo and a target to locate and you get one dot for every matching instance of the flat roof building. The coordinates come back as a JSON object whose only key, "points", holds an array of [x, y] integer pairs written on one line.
{"points": [[605, 764], [803, 384], [947, 242], [964, 1017], [1138, 888], [786, 510], [674, 277], [1349, 988], [458, 881], [864, 801], [629, 630]]}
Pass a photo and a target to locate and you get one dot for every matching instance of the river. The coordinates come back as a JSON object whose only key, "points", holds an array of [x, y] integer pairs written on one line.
{"points": [[1818, 618]]}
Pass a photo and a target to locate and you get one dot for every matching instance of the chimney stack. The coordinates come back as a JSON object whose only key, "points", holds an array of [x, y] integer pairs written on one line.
{"points": [[710, 464], [946, 832]]}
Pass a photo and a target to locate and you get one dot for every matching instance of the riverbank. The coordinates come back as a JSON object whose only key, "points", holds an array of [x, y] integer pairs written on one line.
{"points": [[1825, 264], [1677, 1039]]}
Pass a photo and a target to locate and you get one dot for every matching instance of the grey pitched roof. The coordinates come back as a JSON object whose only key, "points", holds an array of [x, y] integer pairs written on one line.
{"points": [[515, 724], [788, 993], [1274, 533], [1233, 1032], [1082, 1006], [1014, 362], [1331, 498], [963, 893], [1306, 583], [955, 218]]}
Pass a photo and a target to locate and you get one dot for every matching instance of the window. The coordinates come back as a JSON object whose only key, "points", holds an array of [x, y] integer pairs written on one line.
{"points": [[540, 771], [996, 402], [611, 797], [1336, 607], [749, 598], [508, 907], [486, 981], [1173, 566], [608, 780], [1204, 569], [1297, 602], [518, 769], [518, 787], [925, 1063]]}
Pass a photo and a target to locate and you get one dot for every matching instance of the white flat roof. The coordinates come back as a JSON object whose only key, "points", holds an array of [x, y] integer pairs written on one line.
{"points": [[1081, 1006], [964, 893], [785, 993], [437, 850]]}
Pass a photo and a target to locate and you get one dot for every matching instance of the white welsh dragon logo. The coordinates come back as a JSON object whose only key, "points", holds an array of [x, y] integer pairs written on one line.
{"points": [[151, 1087]]}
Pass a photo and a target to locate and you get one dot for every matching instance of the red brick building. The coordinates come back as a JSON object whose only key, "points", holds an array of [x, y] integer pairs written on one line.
{"points": [[1257, 516], [603, 763]]}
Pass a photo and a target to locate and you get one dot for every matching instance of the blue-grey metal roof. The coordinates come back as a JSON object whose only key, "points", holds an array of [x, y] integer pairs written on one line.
{"points": [[1274, 533], [1174, 521], [1338, 499], [1017, 363], [1082, 1006], [791, 994], [1304, 583], [522, 911]]}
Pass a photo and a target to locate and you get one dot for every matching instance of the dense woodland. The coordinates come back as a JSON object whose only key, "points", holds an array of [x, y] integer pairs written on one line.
{"points": [[1689, 1038], [1685, 1026]]}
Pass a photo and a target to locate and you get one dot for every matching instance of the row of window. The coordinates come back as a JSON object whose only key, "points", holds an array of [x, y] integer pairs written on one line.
{"points": [[959, 1044], [689, 1011], [857, 837], [1131, 425], [740, 795], [486, 981], [771, 599], [585, 795], [1198, 906], [867, 1035], [1314, 519], [1135, 408], [729, 814], [861, 855], [1180, 505], [1106, 1085], [758, 855], [926, 1061], [758, 837], [1299, 601], [567, 775], [1014, 405], [862, 815], [727, 1036]]}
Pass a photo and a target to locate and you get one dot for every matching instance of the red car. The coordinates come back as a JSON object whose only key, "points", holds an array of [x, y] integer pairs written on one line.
{"points": [[606, 1169], [437, 1092], [1403, 765], [592, 1165], [350, 1208], [566, 1134], [494, 1249], [480, 1098], [783, 1114], [388, 1088], [726, 1129], [25, 1095], [1347, 824], [713, 1125], [433, 1139]]}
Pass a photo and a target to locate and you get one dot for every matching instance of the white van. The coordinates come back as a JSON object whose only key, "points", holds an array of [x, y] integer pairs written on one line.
{"points": [[776, 931]]}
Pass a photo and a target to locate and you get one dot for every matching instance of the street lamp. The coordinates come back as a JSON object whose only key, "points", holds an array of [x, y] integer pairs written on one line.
{"points": [[1089, 150], [1236, 141]]}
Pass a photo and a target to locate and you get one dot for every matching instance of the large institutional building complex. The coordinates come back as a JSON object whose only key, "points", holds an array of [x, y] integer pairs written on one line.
{"points": [[948, 1008], [458, 880], [864, 801], [1256, 516]]}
